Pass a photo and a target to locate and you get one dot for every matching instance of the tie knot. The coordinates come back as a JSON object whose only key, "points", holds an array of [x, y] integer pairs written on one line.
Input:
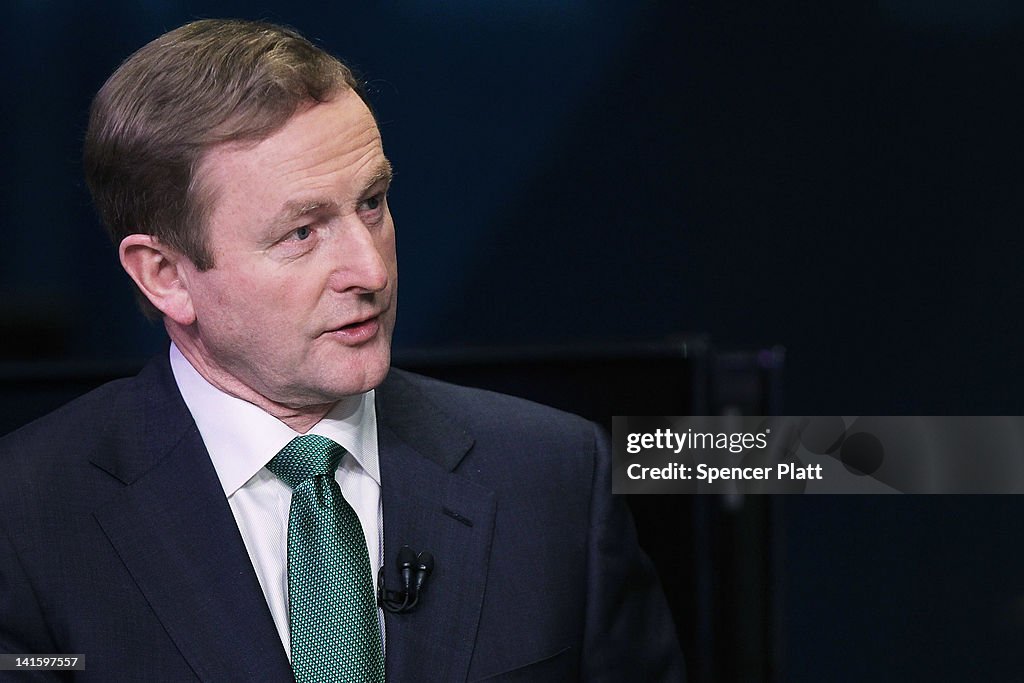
{"points": [[305, 457]]}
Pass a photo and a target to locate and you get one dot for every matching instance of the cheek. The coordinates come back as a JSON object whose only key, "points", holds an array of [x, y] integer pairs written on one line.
{"points": [[245, 303], [386, 247]]}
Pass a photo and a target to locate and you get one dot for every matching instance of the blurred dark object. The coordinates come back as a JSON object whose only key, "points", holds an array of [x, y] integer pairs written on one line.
{"points": [[595, 381], [676, 376], [34, 328], [31, 389]]}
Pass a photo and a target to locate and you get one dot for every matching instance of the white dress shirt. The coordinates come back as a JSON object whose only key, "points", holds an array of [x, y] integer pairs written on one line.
{"points": [[241, 440]]}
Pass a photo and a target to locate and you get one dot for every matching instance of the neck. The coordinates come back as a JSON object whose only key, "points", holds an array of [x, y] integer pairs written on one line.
{"points": [[300, 418]]}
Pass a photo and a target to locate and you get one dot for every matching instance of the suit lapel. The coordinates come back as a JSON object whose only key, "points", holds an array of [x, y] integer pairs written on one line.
{"points": [[430, 508], [173, 529]]}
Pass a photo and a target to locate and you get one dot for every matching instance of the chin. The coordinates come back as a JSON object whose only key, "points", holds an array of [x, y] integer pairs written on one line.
{"points": [[372, 379], [360, 377]]}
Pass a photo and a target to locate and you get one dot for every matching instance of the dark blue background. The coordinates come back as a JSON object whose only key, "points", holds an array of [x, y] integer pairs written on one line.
{"points": [[842, 178]]}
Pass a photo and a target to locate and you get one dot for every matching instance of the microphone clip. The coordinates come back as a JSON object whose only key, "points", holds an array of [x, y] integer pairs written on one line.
{"points": [[414, 569]]}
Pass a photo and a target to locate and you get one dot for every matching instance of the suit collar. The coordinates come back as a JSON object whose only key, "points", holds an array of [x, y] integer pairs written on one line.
{"points": [[174, 531], [408, 413], [430, 507], [150, 414]]}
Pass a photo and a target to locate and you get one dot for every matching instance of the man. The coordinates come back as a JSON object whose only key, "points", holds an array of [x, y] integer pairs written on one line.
{"points": [[171, 526]]}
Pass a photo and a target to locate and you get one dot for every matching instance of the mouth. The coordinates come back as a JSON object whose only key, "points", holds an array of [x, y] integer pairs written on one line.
{"points": [[356, 333]]}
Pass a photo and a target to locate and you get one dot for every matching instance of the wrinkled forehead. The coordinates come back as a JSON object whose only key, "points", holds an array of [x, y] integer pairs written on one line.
{"points": [[341, 129], [331, 149]]}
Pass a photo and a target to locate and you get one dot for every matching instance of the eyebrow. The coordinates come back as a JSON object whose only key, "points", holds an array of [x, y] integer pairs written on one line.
{"points": [[383, 172], [295, 209]]}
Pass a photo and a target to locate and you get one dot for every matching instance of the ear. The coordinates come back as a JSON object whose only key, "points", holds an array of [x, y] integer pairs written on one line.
{"points": [[159, 273]]}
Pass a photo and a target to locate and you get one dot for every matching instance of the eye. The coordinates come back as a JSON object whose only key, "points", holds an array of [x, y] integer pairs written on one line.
{"points": [[302, 233], [373, 203]]}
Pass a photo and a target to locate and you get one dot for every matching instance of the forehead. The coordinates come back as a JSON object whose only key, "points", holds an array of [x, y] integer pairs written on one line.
{"points": [[326, 150]]}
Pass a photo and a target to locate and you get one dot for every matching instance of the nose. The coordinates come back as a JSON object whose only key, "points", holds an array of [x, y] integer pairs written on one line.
{"points": [[362, 258]]}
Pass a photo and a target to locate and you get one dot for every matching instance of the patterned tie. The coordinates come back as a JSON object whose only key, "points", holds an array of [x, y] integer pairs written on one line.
{"points": [[334, 629]]}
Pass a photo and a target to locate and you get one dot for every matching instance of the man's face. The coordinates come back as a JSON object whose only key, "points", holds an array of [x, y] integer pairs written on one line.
{"points": [[300, 304]]}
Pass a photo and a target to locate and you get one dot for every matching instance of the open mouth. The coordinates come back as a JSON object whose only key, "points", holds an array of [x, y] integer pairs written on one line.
{"points": [[357, 332]]}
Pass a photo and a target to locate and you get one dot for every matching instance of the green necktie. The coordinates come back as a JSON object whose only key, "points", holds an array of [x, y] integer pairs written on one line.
{"points": [[334, 629]]}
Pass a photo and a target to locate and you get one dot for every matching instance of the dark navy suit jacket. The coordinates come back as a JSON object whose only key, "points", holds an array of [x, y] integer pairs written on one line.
{"points": [[117, 542]]}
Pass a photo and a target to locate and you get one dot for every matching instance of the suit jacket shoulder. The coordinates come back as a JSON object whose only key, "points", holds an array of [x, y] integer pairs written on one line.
{"points": [[117, 542], [436, 414]]}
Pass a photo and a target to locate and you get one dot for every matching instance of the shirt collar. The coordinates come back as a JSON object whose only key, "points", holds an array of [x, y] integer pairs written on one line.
{"points": [[242, 438]]}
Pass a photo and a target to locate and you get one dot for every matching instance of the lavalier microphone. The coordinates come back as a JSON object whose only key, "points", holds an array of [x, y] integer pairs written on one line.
{"points": [[414, 569]]}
